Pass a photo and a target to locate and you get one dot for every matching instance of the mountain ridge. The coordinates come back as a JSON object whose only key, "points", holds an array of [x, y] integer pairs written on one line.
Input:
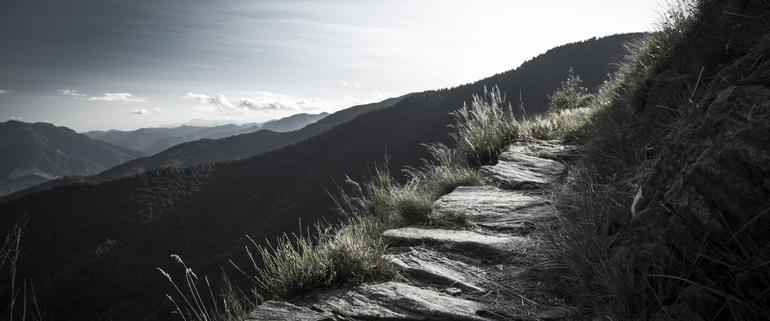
{"points": [[37, 152], [152, 140]]}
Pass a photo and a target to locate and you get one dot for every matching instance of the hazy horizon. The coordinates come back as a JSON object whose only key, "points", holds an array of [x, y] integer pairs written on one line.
{"points": [[97, 65]]}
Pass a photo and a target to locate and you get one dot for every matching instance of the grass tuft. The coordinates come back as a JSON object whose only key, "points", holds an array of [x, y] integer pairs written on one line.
{"points": [[294, 264], [484, 127], [197, 301], [22, 300]]}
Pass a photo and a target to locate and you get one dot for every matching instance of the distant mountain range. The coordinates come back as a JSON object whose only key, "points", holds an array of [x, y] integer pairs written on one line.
{"points": [[35, 153], [208, 150], [91, 248], [40, 152], [150, 141], [239, 146]]}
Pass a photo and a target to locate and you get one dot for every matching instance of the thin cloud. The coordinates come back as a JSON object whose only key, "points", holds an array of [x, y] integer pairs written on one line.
{"points": [[140, 111], [71, 93], [106, 97], [345, 83], [256, 101], [15, 118], [5, 91], [119, 97]]}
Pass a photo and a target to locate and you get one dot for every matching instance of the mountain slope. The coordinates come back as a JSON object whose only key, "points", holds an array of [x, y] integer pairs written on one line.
{"points": [[238, 146], [293, 122], [35, 153], [110, 236], [151, 141]]}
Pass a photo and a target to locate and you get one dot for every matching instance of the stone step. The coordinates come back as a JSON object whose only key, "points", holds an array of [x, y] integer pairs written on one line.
{"points": [[397, 301], [515, 171], [472, 243], [495, 208], [431, 267], [550, 149]]}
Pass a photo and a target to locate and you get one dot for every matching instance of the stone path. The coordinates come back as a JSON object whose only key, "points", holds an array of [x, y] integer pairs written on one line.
{"points": [[477, 273]]}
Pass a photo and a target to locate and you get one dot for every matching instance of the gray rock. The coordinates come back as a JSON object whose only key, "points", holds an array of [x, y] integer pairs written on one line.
{"points": [[465, 259], [494, 208], [550, 149], [521, 171], [280, 311], [432, 267], [398, 301], [468, 241], [452, 291]]}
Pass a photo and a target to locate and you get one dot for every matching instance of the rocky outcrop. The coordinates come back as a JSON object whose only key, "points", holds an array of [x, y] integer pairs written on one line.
{"points": [[458, 273]]}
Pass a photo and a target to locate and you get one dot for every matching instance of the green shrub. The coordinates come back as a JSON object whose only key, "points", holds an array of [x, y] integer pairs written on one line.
{"points": [[571, 94]]}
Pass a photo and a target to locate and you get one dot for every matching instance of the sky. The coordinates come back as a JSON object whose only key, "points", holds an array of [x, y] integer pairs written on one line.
{"points": [[117, 64]]}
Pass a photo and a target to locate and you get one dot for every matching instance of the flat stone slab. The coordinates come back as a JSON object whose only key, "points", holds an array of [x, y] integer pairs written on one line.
{"points": [[432, 267], [280, 311], [521, 171], [468, 241], [495, 208], [398, 301], [550, 149]]}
